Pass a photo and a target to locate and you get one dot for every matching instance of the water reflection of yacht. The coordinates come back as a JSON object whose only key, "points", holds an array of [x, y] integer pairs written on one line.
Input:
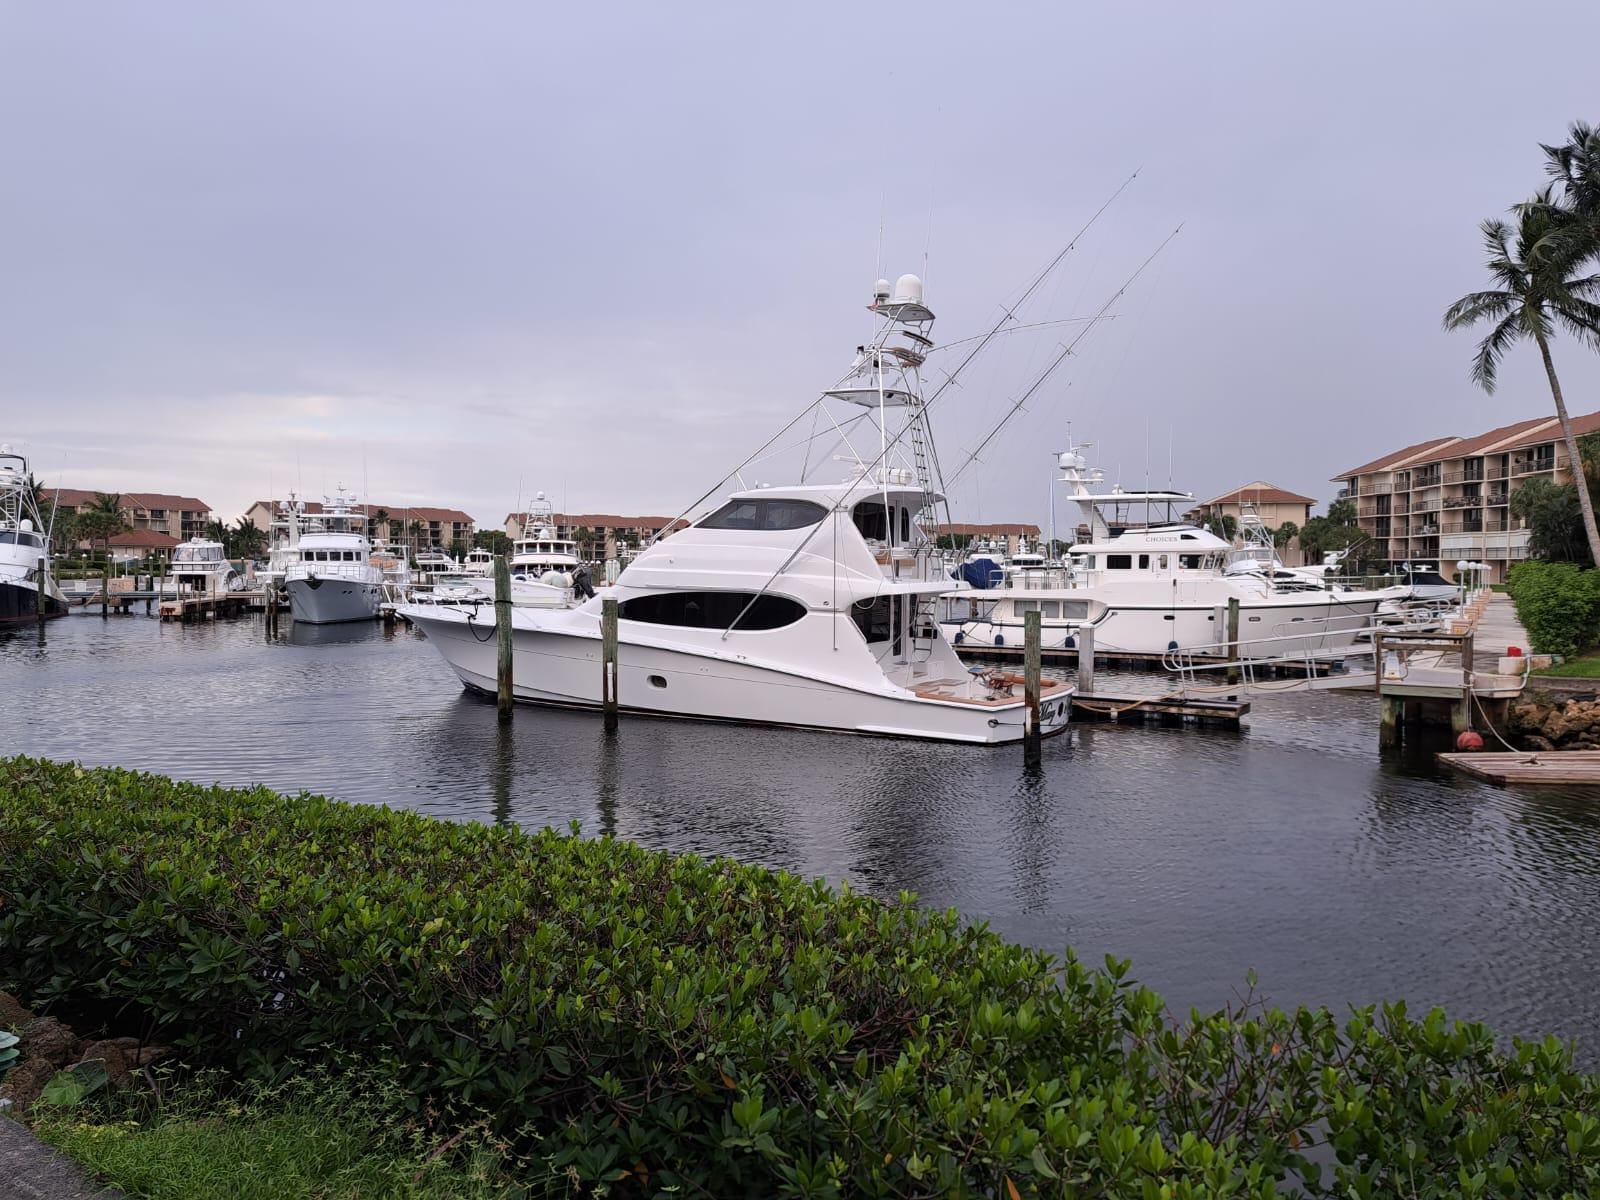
{"points": [[1161, 585], [24, 544], [333, 578], [810, 605]]}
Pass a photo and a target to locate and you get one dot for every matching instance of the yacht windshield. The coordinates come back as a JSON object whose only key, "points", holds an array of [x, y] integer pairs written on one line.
{"points": [[760, 513]]}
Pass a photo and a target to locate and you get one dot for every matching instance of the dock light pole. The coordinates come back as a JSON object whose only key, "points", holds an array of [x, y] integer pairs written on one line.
{"points": [[1032, 656], [502, 636]]}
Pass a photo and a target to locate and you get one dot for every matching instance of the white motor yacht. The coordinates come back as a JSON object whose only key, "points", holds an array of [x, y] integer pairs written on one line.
{"points": [[809, 605], [333, 578], [479, 562], [24, 545], [1158, 587], [201, 567]]}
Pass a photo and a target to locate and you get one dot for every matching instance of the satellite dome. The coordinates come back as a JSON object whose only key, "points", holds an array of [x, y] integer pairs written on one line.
{"points": [[908, 290], [539, 496], [1070, 460], [880, 290]]}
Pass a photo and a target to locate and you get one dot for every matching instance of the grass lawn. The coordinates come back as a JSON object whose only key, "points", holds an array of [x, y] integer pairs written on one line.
{"points": [[1586, 667], [315, 1136]]}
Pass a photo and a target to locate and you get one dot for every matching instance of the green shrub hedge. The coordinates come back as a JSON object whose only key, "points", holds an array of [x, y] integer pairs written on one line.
{"points": [[1558, 604], [651, 1024]]}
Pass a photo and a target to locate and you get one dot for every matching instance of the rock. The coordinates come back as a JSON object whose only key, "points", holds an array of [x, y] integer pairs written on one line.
{"points": [[12, 1015], [145, 1055], [22, 1084], [109, 1053], [1533, 741], [48, 1039]]}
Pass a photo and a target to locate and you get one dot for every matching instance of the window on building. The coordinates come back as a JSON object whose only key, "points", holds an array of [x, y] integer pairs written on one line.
{"points": [[713, 610], [763, 513]]}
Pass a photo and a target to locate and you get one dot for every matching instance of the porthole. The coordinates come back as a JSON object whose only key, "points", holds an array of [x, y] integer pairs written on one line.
{"points": [[659, 681]]}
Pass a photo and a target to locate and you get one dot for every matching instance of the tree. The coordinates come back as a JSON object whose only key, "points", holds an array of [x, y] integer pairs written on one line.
{"points": [[216, 531], [1224, 525], [1284, 534], [1342, 512], [415, 531], [1554, 518], [380, 524], [458, 549], [248, 540], [1325, 535], [101, 519], [1542, 288], [496, 541]]}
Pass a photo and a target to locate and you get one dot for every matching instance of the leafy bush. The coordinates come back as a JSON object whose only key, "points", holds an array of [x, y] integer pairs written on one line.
{"points": [[1558, 603], [653, 1024]]}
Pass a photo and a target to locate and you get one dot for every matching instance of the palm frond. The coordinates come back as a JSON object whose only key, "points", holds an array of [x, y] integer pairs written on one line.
{"points": [[1486, 362], [1478, 306]]}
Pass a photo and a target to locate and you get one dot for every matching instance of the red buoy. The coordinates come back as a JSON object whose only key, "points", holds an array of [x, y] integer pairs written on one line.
{"points": [[1469, 741]]}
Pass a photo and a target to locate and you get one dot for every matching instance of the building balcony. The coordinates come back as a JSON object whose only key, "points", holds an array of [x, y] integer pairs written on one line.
{"points": [[1496, 499], [1368, 489], [1495, 473], [1462, 527], [1533, 466], [1463, 501], [1424, 530]]}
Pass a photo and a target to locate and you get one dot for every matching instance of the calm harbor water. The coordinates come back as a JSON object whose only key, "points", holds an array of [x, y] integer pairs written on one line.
{"points": [[1287, 848]]}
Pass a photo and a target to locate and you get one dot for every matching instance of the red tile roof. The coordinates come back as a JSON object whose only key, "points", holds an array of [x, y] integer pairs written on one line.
{"points": [[397, 512], [1495, 440], [78, 497], [1259, 492], [1396, 458], [964, 528], [593, 520], [144, 539]]}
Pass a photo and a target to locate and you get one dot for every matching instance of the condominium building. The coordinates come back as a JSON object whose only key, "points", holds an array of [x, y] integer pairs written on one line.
{"points": [[415, 526], [1448, 499], [180, 517]]}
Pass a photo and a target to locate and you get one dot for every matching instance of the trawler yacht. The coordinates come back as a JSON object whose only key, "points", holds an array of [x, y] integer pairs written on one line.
{"points": [[200, 566], [479, 562], [809, 605], [24, 544], [540, 550], [1158, 587], [333, 578]]}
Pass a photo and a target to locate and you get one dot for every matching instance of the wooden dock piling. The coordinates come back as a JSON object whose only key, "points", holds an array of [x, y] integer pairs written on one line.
{"points": [[502, 634], [1032, 639], [105, 587], [1233, 639], [608, 662], [1086, 658], [41, 593]]}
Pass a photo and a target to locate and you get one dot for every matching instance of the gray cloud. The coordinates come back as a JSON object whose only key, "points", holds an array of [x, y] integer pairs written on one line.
{"points": [[604, 252]]}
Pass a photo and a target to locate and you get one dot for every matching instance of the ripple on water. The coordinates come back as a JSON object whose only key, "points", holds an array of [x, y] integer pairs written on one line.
{"points": [[1287, 847]]}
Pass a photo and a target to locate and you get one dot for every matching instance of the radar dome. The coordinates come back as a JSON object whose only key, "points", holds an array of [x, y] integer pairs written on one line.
{"points": [[908, 290], [880, 290], [1070, 460], [539, 496]]}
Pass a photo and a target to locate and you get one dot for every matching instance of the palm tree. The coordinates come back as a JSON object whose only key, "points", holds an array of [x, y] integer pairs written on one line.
{"points": [[101, 519], [380, 524], [1575, 214], [216, 531], [1533, 300], [415, 530], [248, 539]]}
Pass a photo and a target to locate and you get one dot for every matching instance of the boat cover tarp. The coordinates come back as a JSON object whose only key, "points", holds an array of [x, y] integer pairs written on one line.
{"points": [[981, 573]]}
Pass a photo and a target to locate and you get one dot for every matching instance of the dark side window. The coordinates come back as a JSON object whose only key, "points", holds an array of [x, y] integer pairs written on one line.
{"points": [[875, 617], [761, 513], [1119, 562], [712, 610], [871, 521]]}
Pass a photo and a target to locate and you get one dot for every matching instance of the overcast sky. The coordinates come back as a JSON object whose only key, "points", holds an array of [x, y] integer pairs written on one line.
{"points": [[477, 250]]}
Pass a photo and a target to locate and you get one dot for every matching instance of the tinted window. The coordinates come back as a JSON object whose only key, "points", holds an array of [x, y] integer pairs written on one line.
{"points": [[712, 610], [870, 520], [875, 617], [760, 513], [1119, 562]]}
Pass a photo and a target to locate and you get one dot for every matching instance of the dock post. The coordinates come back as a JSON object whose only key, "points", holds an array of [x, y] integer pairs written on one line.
{"points": [[41, 592], [1031, 661], [1233, 639], [1391, 711], [105, 586], [1085, 659], [502, 635], [608, 661]]}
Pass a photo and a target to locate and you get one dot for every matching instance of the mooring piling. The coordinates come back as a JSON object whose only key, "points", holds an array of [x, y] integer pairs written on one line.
{"points": [[1032, 661], [1233, 640], [41, 592], [502, 636], [1086, 658], [608, 661]]}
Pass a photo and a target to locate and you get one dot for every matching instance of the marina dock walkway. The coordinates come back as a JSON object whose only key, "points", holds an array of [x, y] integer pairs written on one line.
{"points": [[30, 1170]]}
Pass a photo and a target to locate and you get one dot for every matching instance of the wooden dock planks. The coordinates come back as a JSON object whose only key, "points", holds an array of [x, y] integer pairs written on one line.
{"points": [[1535, 766]]}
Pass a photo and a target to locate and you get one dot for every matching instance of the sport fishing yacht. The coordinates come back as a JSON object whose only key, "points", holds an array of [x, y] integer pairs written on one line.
{"points": [[24, 544], [540, 551], [1159, 586], [200, 566], [809, 605], [479, 562], [333, 578]]}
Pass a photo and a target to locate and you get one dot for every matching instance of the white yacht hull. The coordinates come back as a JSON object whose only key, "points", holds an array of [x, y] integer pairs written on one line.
{"points": [[1330, 627], [563, 668], [331, 600]]}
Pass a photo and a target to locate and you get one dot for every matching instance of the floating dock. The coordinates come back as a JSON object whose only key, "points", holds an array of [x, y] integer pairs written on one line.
{"points": [[1215, 713], [1534, 766]]}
